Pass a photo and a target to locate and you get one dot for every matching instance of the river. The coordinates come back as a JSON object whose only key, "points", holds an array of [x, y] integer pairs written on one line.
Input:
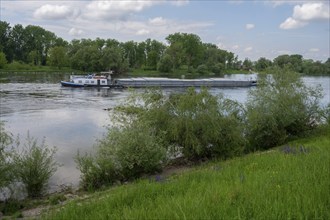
{"points": [[74, 119]]}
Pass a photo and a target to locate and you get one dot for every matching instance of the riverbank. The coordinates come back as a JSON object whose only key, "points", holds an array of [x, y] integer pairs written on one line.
{"points": [[289, 181], [139, 72]]}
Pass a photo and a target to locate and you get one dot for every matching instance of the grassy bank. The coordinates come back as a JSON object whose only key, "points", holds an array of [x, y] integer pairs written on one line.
{"points": [[288, 182]]}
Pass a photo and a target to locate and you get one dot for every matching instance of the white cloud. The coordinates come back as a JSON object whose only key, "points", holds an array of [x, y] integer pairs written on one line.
{"points": [[116, 9], [142, 32], [54, 12], [306, 13], [157, 21], [311, 11], [248, 49], [249, 26], [291, 23], [75, 32]]}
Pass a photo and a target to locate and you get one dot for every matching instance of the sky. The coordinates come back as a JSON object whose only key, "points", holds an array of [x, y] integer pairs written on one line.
{"points": [[250, 29]]}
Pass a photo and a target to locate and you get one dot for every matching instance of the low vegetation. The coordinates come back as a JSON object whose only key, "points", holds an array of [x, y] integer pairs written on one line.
{"points": [[280, 108], [287, 182], [153, 128], [31, 164]]}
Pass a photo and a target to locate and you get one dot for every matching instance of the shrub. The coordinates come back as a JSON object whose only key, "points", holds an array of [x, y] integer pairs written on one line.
{"points": [[204, 125], [125, 153], [136, 150], [96, 171], [34, 165], [281, 107], [152, 127], [198, 123], [5, 166]]}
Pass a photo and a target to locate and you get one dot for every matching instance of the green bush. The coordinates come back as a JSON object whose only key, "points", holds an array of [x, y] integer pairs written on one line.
{"points": [[34, 165], [136, 149], [5, 164], [152, 127], [125, 153], [281, 107], [197, 124], [204, 125], [96, 171]]}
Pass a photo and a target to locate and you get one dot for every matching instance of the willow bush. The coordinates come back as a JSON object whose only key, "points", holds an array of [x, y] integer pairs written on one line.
{"points": [[6, 174], [33, 165], [203, 125], [153, 127], [197, 123], [281, 107]]}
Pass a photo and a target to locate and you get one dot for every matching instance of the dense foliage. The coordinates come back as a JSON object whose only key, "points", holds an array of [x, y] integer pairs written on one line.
{"points": [[281, 107], [36, 46], [154, 127]]}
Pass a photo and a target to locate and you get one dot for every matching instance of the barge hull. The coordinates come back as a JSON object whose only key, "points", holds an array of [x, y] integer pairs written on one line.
{"points": [[166, 82]]}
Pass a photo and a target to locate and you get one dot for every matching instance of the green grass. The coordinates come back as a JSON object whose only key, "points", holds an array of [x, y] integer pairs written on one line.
{"points": [[23, 67], [290, 182]]}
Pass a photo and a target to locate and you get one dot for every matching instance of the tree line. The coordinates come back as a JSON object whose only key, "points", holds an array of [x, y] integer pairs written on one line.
{"points": [[36, 46]]}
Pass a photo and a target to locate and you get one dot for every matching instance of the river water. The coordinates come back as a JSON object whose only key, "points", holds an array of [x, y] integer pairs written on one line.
{"points": [[74, 119]]}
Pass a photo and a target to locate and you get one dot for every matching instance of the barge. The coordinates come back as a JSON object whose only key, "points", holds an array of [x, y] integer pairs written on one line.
{"points": [[90, 80], [142, 82], [104, 80]]}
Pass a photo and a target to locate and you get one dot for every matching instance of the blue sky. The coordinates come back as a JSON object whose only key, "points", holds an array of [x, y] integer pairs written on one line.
{"points": [[250, 29]]}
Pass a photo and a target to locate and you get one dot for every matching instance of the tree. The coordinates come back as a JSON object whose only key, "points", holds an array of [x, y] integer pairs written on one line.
{"points": [[294, 62], [262, 64], [113, 59], [3, 60], [165, 64], [247, 64], [37, 43], [18, 43], [130, 52], [154, 53], [87, 58], [4, 39], [175, 51], [58, 57], [34, 58], [190, 45]]}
